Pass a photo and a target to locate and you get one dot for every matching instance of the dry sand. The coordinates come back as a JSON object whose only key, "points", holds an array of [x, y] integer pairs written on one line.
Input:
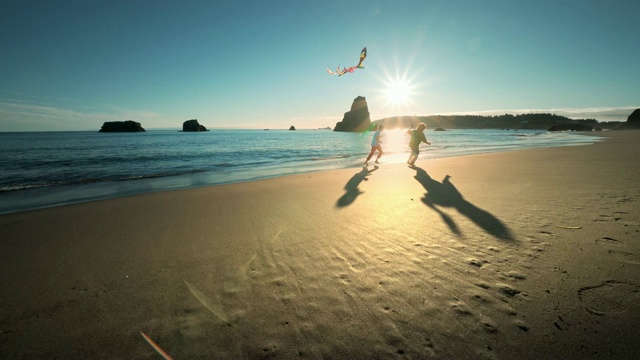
{"points": [[526, 254]]}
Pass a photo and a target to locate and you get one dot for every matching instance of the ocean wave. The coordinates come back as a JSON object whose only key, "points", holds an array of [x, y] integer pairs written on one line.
{"points": [[527, 135], [334, 157], [85, 181]]}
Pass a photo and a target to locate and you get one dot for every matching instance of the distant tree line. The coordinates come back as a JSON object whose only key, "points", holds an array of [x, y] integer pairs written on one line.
{"points": [[541, 121]]}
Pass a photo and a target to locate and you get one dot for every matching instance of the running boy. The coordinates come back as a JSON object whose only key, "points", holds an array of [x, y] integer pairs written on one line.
{"points": [[376, 144], [417, 137]]}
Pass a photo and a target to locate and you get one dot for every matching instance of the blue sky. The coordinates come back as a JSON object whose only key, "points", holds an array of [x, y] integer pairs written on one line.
{"points": [[72, 65]]}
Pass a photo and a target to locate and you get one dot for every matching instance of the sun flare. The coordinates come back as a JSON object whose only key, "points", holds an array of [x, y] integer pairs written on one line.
{"points": [[398, 92]]}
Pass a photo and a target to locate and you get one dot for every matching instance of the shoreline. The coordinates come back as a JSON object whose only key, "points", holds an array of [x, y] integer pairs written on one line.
{"points": [[48, 197], [498, 255]]}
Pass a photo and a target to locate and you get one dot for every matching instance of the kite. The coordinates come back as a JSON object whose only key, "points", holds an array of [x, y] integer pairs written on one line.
{"points": [[363, 55]]}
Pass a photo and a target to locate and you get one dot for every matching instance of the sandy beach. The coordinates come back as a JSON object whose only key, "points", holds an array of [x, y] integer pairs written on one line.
{"points": [[527, 254]]}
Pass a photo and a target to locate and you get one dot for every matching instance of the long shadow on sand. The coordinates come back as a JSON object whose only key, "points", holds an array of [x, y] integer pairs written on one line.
{"points": [[445, 194], [352, 187]]}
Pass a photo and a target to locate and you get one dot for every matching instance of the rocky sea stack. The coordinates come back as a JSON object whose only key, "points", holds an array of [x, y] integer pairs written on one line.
{"points": [[633, 121], [193, 125], [122, 126], [357, 119]]}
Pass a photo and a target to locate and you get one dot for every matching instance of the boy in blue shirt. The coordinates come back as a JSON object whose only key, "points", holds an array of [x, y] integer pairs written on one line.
{"points": [[376, 144]]}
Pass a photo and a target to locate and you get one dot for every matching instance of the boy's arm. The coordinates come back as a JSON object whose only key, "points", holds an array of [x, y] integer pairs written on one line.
{"points": [[424, 139]]}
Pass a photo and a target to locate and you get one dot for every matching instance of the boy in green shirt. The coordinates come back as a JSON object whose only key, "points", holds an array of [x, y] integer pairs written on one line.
{"points": [[417, 137]]}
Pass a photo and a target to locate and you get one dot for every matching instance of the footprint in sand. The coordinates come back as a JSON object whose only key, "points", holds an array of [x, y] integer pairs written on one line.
{"points": [[604, 218], [619, 217], [609, 298], [508, 290], [476, 262], [618, 249]]}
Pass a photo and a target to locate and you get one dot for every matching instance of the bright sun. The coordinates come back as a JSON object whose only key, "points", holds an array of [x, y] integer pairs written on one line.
{"points": [[398, 92]]}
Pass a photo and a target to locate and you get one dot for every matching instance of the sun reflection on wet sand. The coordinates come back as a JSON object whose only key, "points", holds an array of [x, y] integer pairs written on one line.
{"points": [[395, 144]]}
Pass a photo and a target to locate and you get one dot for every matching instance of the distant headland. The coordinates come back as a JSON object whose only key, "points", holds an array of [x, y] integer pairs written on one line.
{"points": [[543, 121], [550, 122], [358, 120]]}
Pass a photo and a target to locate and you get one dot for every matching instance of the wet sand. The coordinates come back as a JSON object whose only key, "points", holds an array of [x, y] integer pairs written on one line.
{"points": [[524, 254]]}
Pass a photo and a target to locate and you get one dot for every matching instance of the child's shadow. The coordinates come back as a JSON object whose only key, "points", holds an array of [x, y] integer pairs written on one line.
{"points": [[352, 187], [445, 194]]}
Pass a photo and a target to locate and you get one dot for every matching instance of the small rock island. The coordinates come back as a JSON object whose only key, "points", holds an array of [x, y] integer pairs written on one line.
{"points": [[122, 126], [193, 126]]}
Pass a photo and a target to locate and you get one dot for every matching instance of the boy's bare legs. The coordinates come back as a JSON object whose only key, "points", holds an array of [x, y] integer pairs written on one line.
{"points": [[412, 159], [379, 154], [366, 162]]}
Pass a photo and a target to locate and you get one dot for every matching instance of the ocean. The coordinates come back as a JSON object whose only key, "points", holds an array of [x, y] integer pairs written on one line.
{"points": [[44, 169]]}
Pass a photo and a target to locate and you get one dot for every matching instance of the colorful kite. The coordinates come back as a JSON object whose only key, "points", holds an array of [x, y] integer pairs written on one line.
{"points": [[363, 55]]}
